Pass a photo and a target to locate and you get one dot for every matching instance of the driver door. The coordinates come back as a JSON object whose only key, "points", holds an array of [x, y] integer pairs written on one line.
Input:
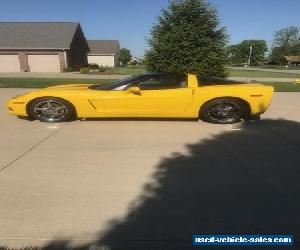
{"points": [[158, 96]]}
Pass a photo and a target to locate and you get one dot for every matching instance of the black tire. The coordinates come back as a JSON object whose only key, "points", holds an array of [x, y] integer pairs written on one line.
{"points": [[51, 109], [223, 111], [252, 118]]}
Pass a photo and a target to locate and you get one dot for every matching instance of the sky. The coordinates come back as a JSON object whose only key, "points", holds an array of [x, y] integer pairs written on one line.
{"points": [[130, 21]]}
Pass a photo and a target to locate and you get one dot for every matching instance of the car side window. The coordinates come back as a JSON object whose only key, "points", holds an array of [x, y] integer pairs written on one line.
{"points": [[162, 82]]}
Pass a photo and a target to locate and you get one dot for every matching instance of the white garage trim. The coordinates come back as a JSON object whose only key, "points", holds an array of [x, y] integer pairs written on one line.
{"points": [[44, 63], [9, 63]]}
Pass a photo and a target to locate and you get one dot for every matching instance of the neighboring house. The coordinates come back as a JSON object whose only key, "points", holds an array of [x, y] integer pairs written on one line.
{"points": [[41, 46], [292, 59], [135, 60], [104, 52]]}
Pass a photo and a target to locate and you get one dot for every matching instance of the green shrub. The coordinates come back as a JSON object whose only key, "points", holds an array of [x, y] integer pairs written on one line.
{"points": [[69, 69], [93, 66], [102, 69], [107, 68], [85, 70]]}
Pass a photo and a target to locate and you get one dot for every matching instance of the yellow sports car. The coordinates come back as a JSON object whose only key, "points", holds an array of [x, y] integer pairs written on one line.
{"points": [[158, 95]]}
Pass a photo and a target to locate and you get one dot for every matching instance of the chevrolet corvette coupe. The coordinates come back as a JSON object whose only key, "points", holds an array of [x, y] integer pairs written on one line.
{"points": [[155, 95]]}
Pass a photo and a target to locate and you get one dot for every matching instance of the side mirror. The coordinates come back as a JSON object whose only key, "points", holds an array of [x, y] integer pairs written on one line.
{"points": [[135, 90]]}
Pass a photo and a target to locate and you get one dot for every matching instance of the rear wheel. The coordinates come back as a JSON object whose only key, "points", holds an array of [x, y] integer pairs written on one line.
{"points": [[223, 111], [51, 109]]}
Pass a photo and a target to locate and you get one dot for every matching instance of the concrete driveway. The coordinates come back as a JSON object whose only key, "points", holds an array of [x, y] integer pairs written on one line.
{"points": [[147, 184]]}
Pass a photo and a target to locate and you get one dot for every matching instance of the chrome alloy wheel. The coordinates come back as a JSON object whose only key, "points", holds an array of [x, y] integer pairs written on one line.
{"points": [[225, 111], [50, 110]]}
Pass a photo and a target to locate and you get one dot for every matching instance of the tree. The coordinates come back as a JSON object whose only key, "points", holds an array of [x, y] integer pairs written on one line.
{"points": [[287, 37], [285, 43], [234, 55], [278, 55], [239, 54], [187, 39], [125, 56], [295, 49]]}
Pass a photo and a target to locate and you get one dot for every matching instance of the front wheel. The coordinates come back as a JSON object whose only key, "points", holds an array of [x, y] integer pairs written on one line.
{"points": [[51, 109], [223, 111]]}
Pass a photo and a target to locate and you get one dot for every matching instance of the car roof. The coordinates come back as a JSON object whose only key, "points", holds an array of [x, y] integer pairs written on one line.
{"points": [[162, 74]]}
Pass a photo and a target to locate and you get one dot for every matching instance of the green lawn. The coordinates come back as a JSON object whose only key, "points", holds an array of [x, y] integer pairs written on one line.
{"points": [[47, 82], [262, 74], [129, 70], [44, 82], [284, 86], [140, 69]]}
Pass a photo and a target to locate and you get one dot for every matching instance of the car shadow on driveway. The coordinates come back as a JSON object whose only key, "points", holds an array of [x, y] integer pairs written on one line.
{"points": [[241, 182]]}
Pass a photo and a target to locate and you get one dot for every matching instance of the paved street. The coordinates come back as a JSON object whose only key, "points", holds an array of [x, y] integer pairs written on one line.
{"points": [[148, 184], [263, 79], [283, 70]]}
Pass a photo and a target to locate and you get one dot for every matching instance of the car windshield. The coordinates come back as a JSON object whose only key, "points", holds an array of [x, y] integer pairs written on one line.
{"points": [[116, 84]]}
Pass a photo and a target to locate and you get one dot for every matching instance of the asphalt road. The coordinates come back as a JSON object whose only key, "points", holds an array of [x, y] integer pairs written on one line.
{"points": [[147, 184], [282, 70]]}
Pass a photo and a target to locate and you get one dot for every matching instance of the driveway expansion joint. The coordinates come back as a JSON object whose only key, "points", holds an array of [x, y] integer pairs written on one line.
{"points": [[30, 149]]}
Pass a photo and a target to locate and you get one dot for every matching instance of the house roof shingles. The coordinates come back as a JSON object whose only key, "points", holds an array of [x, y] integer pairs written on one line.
{"points": [[37, 35], [103, 47]]}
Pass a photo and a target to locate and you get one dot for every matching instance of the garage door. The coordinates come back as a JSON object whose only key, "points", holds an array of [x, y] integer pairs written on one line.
{"points": [[102, 60], [43, 63], [9, 63]]}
